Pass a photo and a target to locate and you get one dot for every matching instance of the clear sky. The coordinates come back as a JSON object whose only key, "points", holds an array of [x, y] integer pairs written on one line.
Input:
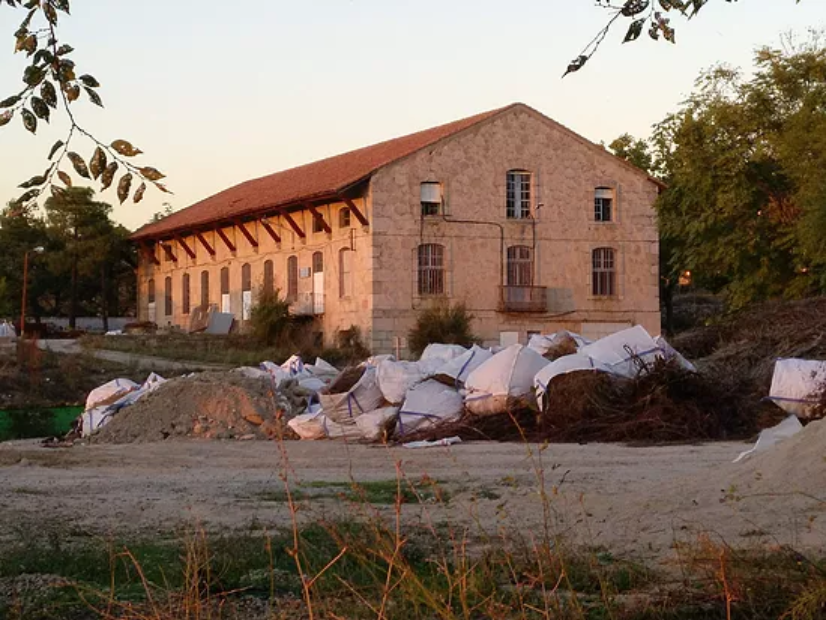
{"points": [[218, 92]]}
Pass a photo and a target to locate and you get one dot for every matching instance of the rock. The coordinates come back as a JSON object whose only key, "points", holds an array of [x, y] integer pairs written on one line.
{"points": [[254, 419], [246, 437]]}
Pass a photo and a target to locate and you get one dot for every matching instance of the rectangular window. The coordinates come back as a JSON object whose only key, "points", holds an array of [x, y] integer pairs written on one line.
{"points": [[520, 266], [603, 204], [318, 223], [344, 218], [269, 277], [518, 195], [604, 272], [431, 269], [205, 289], [431, 198]]}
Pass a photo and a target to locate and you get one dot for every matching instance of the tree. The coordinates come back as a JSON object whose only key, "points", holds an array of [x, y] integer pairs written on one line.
{"points": [[743, 160], [86, 249], [633, 150], [20, 231], [52, 82]]}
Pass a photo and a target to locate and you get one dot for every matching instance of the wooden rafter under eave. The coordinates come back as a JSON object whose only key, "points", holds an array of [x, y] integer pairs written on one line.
{"points": [[294, 225], [319, 217], [225, 239], [205, 243], [149, 252], [355, 211], [189, 251], [167, 249], [244, 231], [270, 231]]}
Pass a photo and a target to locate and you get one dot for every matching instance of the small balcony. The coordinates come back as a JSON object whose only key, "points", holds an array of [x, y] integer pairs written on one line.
{"points": [[308, 304], [524, 299]]}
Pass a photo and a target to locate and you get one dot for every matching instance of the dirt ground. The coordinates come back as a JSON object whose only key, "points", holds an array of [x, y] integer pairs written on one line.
{"points": [[636, 501]]}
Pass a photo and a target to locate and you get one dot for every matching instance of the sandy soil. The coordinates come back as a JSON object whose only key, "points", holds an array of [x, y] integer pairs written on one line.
{"points": [[636, 501]]}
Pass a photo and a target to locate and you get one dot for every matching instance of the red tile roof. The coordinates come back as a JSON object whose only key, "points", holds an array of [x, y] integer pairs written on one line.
{"points": [[318, 180]]}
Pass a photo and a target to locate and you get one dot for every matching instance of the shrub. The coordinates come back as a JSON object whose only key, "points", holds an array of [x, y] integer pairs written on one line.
{"points": [[441, 323], [270, 319]]}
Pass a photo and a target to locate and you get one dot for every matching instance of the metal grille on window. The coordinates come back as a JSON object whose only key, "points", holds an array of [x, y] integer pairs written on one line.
{"points": [[205, 289], [518, 194], [292, 278], [604, 272], [185, 294], [603, 204], [520, 266], [431, 269], [269, 277], [344, 218], [167, 296]]}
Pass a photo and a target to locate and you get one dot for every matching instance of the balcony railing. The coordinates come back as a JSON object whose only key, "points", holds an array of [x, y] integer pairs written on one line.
{"points": [[524, 299]]}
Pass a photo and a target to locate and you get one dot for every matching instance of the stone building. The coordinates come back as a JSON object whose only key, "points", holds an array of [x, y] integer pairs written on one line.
{"points": [[530, 225]]}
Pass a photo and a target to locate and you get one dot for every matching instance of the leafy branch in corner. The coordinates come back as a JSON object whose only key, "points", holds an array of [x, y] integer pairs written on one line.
{"points": [[650, 16], [51, 83]]}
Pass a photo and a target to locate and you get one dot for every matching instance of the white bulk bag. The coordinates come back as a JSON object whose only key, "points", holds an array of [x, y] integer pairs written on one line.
{"points": [[102, 410], [318, 426], [7, 330], [797, 385], [428, 404], [769, 437], [277, 374], [457, 370], [373, 424], [395, 378], [364, 396], [618, 350], [507, 375], [110, 392], [437, 355]]}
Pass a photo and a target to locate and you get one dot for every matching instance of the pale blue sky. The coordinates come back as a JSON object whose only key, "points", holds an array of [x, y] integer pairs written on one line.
{"points": [[220, 92]]}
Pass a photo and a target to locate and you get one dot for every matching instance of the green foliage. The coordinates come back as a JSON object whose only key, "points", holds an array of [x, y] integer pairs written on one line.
{"points": [[634, 151], [5, 300], [743, 159], [270, 318], [441, 323], [50, 78]]}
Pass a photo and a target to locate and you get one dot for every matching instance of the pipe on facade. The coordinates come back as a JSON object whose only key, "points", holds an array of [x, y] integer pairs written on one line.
{"points": [[501, 228]]}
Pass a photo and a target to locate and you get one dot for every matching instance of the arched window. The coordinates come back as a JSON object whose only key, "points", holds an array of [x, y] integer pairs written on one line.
{"points": [[167, 296], [246, 291], [520, 266], [205, 289], [150, 291], [185, 294], [269, 277], [518, 204], [318, 262], [225, 298], [345, 278], [292, 278], [431, 269], [344, 218], [604, 273]]}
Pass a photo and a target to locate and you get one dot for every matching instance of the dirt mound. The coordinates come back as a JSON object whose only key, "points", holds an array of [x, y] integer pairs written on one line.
{"points": [[211, 405]]}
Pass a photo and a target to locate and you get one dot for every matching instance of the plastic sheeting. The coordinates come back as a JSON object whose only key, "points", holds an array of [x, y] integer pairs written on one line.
{"points": [[364, 396], [7, 330], [771, 436], [457, 370], [428, 404], [797, 385], [98, 415], [505, 376]]}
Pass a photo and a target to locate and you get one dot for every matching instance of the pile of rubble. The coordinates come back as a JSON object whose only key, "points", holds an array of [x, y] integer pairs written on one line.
{"points": [[624, 387]]}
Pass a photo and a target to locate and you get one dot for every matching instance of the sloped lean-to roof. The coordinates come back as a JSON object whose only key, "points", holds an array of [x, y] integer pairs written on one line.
{"points": [[320, 180]]}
